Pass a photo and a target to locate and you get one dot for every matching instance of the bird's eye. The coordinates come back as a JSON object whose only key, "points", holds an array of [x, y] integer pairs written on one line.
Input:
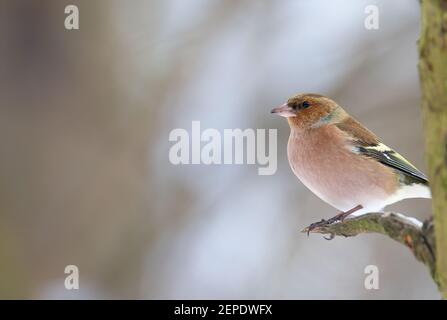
{"points": [[305, 105]]}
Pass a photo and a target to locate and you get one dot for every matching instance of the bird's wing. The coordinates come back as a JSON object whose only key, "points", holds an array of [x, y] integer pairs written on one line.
{"points": [[366, 143], [391, 158]]}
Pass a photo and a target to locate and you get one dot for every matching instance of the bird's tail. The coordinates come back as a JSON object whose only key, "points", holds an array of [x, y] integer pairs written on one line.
{"points": [[417, 190]]}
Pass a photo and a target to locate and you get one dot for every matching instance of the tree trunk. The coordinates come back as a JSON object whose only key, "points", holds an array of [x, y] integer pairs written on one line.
{"points": [[433, 77]]}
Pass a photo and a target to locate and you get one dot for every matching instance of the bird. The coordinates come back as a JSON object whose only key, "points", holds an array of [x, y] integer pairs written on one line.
{"points": [[344, 163]]}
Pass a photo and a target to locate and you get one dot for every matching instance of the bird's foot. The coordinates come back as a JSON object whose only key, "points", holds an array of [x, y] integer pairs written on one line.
{"points": [[320, 224], [337, 218], [315, 225]]}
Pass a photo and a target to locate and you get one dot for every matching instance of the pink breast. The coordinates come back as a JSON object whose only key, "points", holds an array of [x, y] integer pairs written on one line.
{"points": [[322, 159]]}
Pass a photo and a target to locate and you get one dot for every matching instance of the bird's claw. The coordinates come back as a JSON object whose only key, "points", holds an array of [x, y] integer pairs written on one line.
{"points": [[324, 223], [331, 236], [315, 225]]}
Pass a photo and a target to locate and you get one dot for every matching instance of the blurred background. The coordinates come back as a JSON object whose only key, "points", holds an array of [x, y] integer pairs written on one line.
{"points": [[85, 117]]}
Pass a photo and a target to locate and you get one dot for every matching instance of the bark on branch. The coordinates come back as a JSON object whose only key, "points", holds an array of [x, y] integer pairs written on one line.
{"points": [[433, 77], [417, 236]]}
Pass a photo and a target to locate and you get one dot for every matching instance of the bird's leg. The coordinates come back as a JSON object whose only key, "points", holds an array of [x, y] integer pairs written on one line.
{"points": [[342, 215], [316, 225], [339, 217]]}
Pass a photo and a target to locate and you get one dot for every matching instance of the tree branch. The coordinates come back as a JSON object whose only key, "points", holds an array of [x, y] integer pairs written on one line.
{"points": [[417, 236], [433, 78]]}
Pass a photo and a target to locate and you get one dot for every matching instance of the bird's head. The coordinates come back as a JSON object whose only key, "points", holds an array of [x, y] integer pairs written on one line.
{"points": [[310, 110]]}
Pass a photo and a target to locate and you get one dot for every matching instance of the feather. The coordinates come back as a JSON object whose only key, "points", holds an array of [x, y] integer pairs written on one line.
{"points": [[366, 143], [391, 158]]}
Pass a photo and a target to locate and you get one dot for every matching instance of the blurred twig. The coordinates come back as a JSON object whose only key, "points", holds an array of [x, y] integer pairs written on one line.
{"points": [[417, 236]]}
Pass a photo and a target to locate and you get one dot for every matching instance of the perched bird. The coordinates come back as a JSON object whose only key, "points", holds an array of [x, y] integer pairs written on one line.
{"points": [[344, 163]]}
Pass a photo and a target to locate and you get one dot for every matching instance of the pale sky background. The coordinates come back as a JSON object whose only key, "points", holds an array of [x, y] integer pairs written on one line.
{"points": [[85, 118]]}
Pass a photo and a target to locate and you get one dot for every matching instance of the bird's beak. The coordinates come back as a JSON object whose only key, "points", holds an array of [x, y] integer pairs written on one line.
{"points": [[284, 111]]}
